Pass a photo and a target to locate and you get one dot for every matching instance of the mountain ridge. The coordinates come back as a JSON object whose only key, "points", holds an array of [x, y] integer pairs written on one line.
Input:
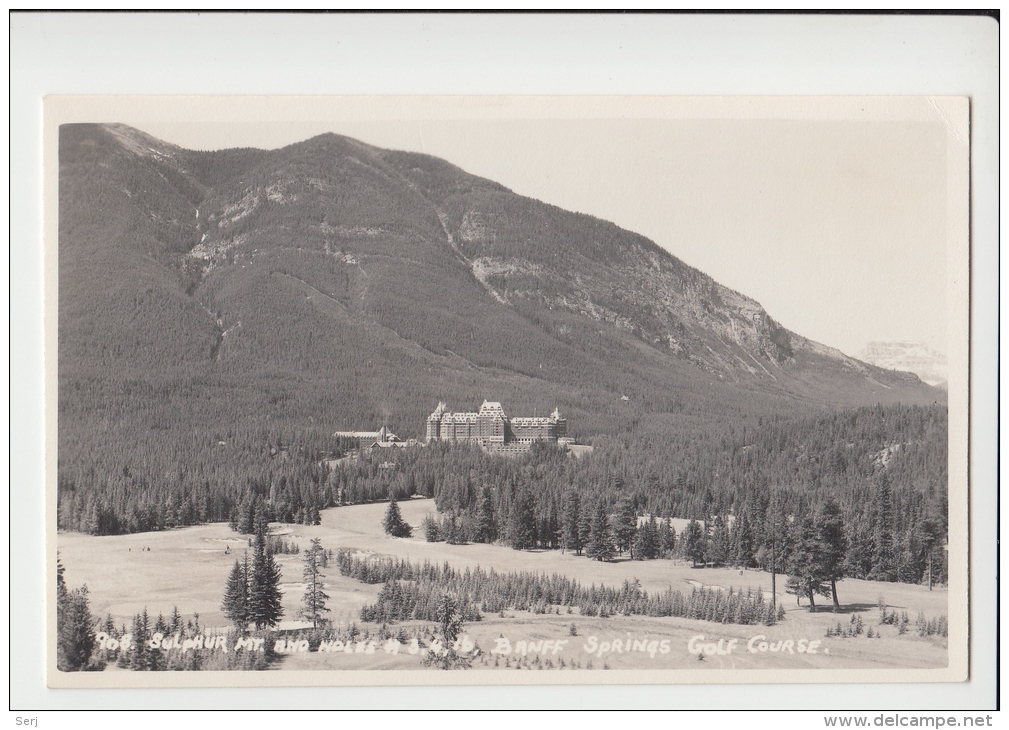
{"points": [[342, 282]]}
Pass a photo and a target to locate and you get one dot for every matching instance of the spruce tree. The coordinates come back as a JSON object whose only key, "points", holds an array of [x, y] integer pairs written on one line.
{"points": [[625, 525], [833, 544], [315, 599], [744, 540], [646, 541], [930, 535], [75, 627], [600, 545], [717, 548], [806, 560], [571, 519], [393, 522], [692, 542], [141, 659], [861, 547], [236, 603], [160, 625], [265, 607], [486, 524], [175, 620], [449, 617], [883, 563], [667, 538], [431, 531], [522, 521]]}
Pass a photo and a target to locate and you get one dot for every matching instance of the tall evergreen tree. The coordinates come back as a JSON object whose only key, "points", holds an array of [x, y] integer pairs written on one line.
{"points": [[450, 624], [236, 603], [75, 627], [930, 534], [315, 599], [692, 542], [265, 607], [393, 522], [806, 573], [141, 657], [667, 538], [646, 541], [744, 539], [600, 545], [430, 527], [883, 568], [625, 525], [175, 620], [833, 544], [717, 548], [486, 524], [522, 521], [571, 533]]}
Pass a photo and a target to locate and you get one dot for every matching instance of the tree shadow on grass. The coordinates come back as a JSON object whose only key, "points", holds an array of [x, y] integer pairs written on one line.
{"points": [[844, 609]]}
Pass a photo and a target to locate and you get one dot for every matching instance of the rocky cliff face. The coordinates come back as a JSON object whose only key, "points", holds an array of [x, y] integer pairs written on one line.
{"points": [[912, 357]]}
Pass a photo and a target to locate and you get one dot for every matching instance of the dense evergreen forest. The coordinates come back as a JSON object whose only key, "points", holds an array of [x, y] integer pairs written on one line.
{"points": [[750, 484]]}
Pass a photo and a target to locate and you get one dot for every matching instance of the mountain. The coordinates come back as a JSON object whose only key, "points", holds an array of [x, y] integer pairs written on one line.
{"points": [[207, 298], [912, 357]]}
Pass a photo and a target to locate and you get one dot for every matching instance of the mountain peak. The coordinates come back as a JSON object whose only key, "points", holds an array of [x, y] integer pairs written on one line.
{"points": [[338, 281], [139, 142], [909, 356]]}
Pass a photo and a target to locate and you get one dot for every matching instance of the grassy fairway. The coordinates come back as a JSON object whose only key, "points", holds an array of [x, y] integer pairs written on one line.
{"points": [[188, 568]]}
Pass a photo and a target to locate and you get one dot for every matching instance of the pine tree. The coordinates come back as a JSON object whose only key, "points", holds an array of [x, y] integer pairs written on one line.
{"points": [[600, 545], [315, 599], [548, 527], [646, 542], [431, 531], [930, 534], [522, 521], [806, 574], [625, 525], [142, 658], [450, 625], [861, 547], [393, 522], [175, 620], [744, 540], [75, 627], [585, 527], [486, 524], [667, 538], [247, 515], [692, 542], [265, 607], [160, 625], [833, 544], [454, 534], [236, 603], [717, 549], [571, 533], [883, 564]]}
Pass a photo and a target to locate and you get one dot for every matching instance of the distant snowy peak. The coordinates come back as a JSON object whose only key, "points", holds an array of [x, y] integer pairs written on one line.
{"points": [[913, 357]]}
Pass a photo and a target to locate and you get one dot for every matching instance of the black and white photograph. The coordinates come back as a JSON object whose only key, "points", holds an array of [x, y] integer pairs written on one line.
{"points": [[506, 390]]}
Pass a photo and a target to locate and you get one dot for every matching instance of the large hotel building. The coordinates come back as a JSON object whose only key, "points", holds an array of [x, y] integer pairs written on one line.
{"points": [[492, 429]]}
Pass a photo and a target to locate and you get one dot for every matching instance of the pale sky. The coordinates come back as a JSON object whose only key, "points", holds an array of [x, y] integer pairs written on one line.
{"points": [[838, 228]]}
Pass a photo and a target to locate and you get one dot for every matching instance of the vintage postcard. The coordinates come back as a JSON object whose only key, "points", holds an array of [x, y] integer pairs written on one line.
{"points": [[501, 390]]}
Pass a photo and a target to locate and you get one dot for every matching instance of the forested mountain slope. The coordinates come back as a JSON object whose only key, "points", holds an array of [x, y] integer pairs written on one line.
{"points": [[222, 313]]}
